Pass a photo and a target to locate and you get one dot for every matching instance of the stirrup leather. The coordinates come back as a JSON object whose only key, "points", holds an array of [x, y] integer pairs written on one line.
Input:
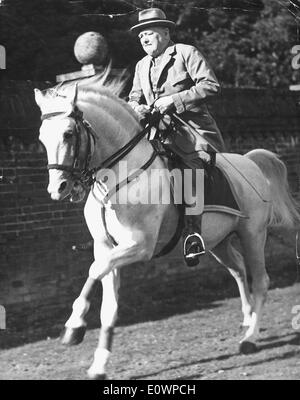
{"points": [[194, 243]]}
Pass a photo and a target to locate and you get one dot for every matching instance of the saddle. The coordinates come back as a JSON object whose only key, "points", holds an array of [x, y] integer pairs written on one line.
{"points": [[161, 127], [219, 193]]}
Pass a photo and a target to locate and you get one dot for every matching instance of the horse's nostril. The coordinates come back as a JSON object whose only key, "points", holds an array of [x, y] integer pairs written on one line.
{"points": [[62, 187]]}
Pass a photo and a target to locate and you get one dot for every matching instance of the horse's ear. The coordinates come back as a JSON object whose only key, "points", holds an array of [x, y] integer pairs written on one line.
{"points": [[73, 94], [38, 95]]}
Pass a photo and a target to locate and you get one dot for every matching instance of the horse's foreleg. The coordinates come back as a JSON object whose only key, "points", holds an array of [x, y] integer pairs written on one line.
{"points": [[75, 327], [106, 259], [107, 269], [124, 254], [108, 316]]}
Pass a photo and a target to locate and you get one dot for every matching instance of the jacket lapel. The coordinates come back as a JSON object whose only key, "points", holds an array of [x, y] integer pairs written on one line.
{"points": [[167, 57], [145, 72], [145, 80]]}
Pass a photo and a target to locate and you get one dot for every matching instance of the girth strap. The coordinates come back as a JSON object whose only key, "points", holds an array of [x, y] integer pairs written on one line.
{"points": [[177, 235], [108, 235], [115, 189]]}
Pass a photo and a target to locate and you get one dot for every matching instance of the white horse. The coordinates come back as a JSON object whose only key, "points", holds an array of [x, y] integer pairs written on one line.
{"points": [[86, 127]]}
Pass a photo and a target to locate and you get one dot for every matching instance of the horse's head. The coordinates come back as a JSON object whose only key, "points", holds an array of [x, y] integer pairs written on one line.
{"points": [[67, 143]]}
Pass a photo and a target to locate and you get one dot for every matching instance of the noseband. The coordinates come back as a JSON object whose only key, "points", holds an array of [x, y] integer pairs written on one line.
{"points": [[81, 174]]}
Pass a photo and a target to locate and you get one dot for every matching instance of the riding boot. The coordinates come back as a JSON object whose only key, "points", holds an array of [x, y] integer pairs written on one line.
{"points": [[193, 245], [88, 246]]}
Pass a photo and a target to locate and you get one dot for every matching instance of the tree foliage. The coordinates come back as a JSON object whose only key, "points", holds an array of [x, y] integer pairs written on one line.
{"points": [[247, 42]]}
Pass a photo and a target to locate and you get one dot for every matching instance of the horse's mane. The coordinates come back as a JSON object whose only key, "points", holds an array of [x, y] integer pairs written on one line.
{"points": [[94, 88]]}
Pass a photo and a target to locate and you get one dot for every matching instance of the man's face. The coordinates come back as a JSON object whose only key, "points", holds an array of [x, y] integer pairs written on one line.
{"points": [[154, 40]]}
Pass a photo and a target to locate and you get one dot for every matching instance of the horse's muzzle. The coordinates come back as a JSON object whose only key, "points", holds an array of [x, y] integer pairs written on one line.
{"points": [[59, 189]]}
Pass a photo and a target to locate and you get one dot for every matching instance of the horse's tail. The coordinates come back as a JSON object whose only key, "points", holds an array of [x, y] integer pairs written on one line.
{"points": [[285, 210]]}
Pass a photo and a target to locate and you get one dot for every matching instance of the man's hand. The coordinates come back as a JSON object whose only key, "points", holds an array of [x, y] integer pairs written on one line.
{"points": [[142, 110], [164, 104]]}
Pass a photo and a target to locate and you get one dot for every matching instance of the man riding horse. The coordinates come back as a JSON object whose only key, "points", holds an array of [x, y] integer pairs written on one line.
{"points": [[176, 78], [85, 129]]}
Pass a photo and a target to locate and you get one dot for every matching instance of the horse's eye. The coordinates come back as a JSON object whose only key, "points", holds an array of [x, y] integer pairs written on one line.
{"points": [[68, 135]]}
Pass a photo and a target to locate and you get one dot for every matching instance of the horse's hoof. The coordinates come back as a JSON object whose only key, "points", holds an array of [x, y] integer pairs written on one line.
{"points": [[248, 347], [96, 377], [72, 336]]}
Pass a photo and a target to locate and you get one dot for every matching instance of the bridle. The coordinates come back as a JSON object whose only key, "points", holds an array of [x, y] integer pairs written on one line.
{"points": [[78, 169]]}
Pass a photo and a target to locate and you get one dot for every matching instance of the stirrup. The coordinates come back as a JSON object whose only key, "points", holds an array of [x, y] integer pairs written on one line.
{"points": [[194, 250], [197, 242]]}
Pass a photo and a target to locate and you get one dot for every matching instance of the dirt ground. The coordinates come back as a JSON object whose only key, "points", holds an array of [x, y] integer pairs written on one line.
{"points": [[198, 345]]}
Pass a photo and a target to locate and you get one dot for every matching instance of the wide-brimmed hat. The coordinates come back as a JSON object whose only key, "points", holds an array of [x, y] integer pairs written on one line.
{"points": [[152, 17]]}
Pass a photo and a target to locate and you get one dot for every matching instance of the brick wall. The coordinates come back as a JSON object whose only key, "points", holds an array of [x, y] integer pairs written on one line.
{"points": [[256, 118], [40, 274], [36, 234]]}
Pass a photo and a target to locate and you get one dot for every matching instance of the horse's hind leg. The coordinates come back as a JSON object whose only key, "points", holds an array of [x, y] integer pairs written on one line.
{"points": [[108, 316], [254, 247], [228, 256]]}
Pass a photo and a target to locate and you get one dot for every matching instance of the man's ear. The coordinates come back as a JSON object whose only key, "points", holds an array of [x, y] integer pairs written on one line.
{"points": [[38, 95]]}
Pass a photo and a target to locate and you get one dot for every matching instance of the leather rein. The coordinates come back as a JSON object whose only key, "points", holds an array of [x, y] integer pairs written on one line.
{"points": [[88, 176]]}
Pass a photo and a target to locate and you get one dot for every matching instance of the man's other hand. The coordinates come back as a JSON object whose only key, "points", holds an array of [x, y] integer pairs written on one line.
{"points": [[142, 110], [164, 104]]}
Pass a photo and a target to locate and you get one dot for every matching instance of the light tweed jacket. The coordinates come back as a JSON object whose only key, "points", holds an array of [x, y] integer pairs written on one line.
{"points": [[185, 74]]}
